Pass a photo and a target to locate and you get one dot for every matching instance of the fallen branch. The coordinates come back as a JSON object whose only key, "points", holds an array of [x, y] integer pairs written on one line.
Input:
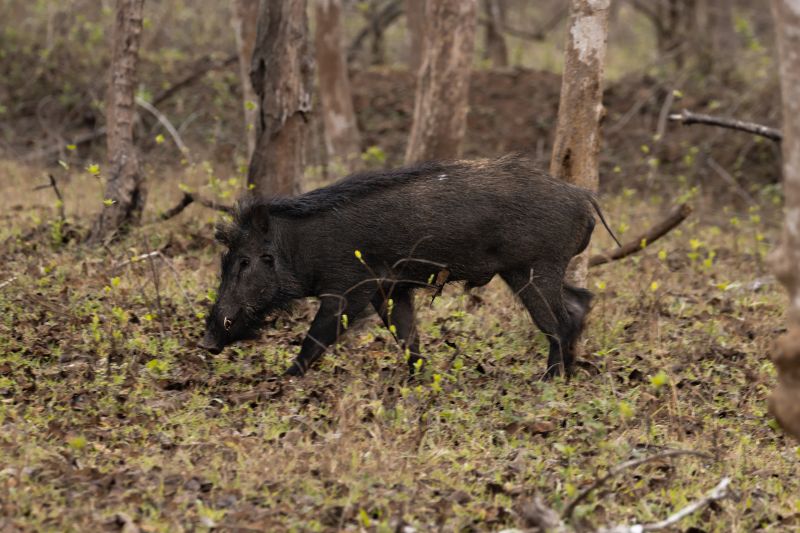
{"points": [[569, 509], [187, 199], [645, 239], [719, 492], [167, 125], [9, 281], [688, 118]]}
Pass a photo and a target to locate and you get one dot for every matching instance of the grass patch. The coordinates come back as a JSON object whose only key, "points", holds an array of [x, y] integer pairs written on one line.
{"points": [[109, 414]]}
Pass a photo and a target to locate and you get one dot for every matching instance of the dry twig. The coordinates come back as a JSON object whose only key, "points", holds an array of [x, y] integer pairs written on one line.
{"points": [[203, 67], [539, 34], [9, 281], [156, 284], [567, 514], [730, 180], [719, 492], [61, 212], [150, 256], [688, 118], [167, 125], [645, 239]]}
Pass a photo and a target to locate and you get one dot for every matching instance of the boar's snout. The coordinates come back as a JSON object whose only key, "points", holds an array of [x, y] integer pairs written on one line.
{"points": [[210, 344]]}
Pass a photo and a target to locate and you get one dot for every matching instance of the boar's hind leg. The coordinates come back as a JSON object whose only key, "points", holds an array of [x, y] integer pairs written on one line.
{"points": [[326, 328], [402, 317], [541, 293]]}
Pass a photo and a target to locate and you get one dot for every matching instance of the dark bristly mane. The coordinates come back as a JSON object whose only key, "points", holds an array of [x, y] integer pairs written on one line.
{"points": [[251, 211], [347, 189]]}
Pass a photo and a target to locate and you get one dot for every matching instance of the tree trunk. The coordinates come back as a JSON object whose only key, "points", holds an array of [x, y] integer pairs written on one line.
{"points": [[676, 28], [342, 140], [377, 42], [281, 73], [577, 140], [496, 50], [785, 260], [723, 36], [440, 107], [415, 20], [245, 15], [125, 193]]}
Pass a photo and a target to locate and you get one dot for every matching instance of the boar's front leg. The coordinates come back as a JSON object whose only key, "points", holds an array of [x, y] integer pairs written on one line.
{"points": [[541, 291], [326, 328], [399, 314]]}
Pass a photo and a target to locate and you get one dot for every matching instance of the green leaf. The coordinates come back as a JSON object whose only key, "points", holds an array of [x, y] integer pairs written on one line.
{"points": [[659, 380], [77, 443]]}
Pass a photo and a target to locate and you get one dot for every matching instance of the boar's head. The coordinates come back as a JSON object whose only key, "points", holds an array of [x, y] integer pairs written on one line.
{"points": [[255, 280]]}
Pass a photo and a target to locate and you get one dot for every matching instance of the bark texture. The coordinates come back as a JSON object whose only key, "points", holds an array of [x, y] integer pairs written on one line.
{"points": [[342, 140], [440, 107], [785, 260], [415, 21], [245, 16], [125, 182], [282, 74], [580, 111]]}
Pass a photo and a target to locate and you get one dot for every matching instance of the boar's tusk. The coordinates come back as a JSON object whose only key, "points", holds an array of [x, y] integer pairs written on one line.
{"points": [[227, 323]]}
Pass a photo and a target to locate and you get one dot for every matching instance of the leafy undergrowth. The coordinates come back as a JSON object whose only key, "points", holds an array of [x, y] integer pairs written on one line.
{"points": [[110, 418]]}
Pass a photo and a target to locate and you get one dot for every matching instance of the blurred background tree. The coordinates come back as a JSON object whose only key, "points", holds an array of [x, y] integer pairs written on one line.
{"points": [[661, 56]]}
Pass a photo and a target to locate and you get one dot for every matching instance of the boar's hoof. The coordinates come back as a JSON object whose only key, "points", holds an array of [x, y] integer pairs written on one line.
{"points": [[294, 370], [555, 371]]}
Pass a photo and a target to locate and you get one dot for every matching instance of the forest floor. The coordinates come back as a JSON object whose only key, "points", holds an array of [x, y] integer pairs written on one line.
{"points": [[112, 419]]}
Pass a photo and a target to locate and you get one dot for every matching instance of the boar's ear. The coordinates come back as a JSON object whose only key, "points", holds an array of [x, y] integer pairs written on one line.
{"points": [[259, 217], [225, 233]]}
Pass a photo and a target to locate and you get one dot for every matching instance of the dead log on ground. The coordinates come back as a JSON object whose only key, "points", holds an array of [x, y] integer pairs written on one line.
{"points": [[643, 240]]}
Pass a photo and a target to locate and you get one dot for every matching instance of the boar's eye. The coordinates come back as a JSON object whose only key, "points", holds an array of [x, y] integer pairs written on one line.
{"points": [[243, 263], [267, 258]]}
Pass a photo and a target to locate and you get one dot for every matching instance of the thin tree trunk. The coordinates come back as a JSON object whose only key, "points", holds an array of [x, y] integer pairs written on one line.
{"points": [[577, 140], [496, 50], [125, 193], [377, 42], [415, 20], [440, 108], [342, 140], [281, 74], [785, 260], [723, 36], [245, 16]]}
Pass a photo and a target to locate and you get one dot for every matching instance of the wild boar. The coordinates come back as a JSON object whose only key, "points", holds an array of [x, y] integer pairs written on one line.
{"points": [[373, 237]]}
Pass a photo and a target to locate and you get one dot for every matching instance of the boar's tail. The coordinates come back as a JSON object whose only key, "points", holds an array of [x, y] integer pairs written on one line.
{"points": [[596, 206]]}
